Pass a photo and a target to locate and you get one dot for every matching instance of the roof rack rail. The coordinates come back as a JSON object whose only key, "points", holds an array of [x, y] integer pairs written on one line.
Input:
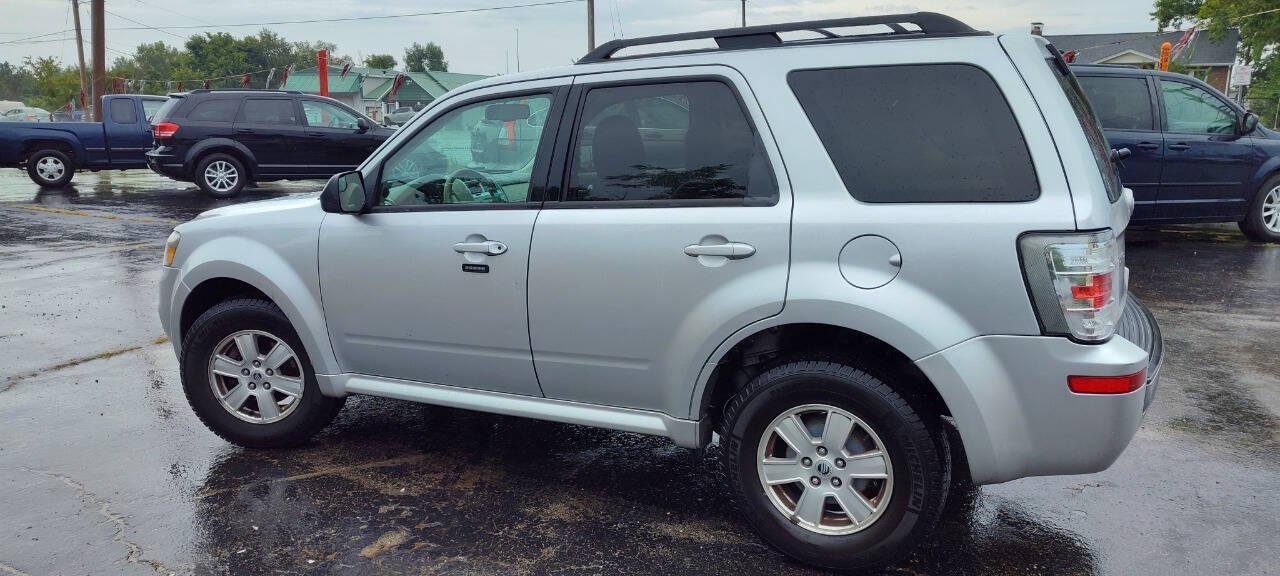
{"points": [[207, 90], [930, 24]]}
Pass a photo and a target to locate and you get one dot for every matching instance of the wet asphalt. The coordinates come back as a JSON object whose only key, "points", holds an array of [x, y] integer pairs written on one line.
{"points": [[105, 470]]}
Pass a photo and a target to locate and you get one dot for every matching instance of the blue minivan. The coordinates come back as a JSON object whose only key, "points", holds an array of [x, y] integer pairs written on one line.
{"points": [[1196, 156]]}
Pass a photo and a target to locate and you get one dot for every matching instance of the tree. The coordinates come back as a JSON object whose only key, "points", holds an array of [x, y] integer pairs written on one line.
{"points": [[380, 61], [16, 82], [55, 86], [419, 58]]}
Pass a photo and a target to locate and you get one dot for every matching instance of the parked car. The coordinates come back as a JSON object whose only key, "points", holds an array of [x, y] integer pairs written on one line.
{"points": [[27, 114], [52, 152], [7, 105], [1196, 156], [68, 116], [224, 139], [401, 115], [854, 244]]}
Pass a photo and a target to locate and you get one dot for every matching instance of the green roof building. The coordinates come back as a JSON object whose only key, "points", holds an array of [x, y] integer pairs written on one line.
{"points": [[369, 90]]}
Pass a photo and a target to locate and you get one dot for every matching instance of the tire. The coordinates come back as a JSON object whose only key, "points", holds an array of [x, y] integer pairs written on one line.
{"points": [[221, 175], [1262, 222], [299, 417], [50, 168], [907, 503]]}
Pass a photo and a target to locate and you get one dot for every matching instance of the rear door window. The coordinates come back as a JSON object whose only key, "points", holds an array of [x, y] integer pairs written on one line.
{"points": [[918, 133], [268, 111], [678, 141], [1121, 103], [1088, 122], [214, 111], [123, 111]]}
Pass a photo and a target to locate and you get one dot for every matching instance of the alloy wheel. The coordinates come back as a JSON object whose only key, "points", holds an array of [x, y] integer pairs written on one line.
{"points": [[1271, 210], [256, 376], [221, 175], [825, 469], [50, 168]]}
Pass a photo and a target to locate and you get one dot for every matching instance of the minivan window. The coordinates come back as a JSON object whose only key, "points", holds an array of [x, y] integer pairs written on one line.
{"points": [[1191, 109], [267, 111], [123, 112], [214, 110], [682, 141], [918, 133], [1088, 122], [1121, 102]]}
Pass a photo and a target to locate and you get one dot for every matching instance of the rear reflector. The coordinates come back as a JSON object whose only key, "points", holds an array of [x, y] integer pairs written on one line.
{"points": [[164, 130], [1106, 384]]}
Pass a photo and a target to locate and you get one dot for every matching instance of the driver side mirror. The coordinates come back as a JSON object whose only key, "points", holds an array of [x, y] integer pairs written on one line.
{"points": [[1248, 123], [363, 124], [344, 194]]}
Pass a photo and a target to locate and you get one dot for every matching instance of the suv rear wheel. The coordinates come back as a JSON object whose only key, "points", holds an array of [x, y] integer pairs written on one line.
{"points": [[832, 466], [221, 175], [248, 378], [50, 168], [1262, 222]]}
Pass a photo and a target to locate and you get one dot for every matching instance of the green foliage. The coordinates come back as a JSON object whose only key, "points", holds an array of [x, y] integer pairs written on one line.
{"points": [[419, 58], [55, 85], [16, 82], [380, 61]]}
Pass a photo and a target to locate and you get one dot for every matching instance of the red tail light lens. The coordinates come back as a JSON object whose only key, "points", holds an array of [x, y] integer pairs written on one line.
{"points": [[164, 130], [1107, 384]]}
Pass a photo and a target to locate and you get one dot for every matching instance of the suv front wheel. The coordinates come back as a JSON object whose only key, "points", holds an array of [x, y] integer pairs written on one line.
{"points": [[1262, 222], [832, 466], [248, 378], [221, 175]]}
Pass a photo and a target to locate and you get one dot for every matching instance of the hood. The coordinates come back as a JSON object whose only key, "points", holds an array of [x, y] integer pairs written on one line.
{"points": [[263, 206]]}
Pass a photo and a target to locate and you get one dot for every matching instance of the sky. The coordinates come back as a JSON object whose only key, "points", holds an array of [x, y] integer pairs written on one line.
{"points": [[485, 42]]}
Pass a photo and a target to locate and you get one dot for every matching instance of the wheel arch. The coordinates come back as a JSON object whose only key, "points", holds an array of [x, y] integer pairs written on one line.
{"points": [[220, 146], [212, 280], [64, 145]]}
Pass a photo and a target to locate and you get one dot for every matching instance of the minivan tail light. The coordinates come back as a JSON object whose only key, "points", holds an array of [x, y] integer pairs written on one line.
{"points": [[164, 130], [1077, 282]]}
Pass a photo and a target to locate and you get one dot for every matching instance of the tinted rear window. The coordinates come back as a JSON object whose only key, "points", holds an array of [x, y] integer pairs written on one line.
{"points": [[268, 111], [1088, 122], [918, 133], [215, 111], [1122, 103], [167, 109]]}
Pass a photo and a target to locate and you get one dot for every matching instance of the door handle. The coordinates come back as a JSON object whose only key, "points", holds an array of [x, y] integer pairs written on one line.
{"points": [[1179, 146], [315, 133], [244, 131], [491, 247], [730, 250], [1146, 146]]}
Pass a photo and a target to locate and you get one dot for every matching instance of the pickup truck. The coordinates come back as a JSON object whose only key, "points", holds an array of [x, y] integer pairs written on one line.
{"points": [[51, 152]]}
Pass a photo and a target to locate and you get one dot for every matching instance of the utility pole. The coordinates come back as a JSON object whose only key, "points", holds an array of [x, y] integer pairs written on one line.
{"points": [[591, 25], [75, 9], [744, 13], [98, 13]]}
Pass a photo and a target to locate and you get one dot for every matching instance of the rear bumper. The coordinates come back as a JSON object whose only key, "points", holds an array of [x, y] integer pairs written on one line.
{"points": [[167, 165], [1009, 398]]}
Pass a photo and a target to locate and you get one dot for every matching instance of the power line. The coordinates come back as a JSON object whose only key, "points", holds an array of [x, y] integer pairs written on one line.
{"points": [[159, 7], [362, 18], [143, 25]]}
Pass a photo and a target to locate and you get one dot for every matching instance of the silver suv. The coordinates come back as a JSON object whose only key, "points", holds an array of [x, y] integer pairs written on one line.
{"points": [[843, 246]]}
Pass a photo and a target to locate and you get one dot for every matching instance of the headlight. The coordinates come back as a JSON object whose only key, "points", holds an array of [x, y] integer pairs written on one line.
{"points": [[171, 247]]}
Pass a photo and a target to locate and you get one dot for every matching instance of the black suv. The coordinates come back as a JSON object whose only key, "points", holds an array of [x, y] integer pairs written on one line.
{"points": [[224, 139]]}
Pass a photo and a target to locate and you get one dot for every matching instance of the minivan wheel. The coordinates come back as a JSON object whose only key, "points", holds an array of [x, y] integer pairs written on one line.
{"points": [[50, 168], [221, 175], [248, 378], [832, 466], [1262, 222]]}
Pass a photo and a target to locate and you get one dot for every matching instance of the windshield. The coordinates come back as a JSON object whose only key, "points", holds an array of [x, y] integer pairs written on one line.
{"points": [[1088, 122]]}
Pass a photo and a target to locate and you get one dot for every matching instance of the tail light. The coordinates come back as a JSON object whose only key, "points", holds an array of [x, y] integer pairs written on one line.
{"points": [[164, 130], [1077, 282]]}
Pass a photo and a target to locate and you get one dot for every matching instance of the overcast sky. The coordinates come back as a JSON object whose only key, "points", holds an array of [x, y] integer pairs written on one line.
{"points": [[485, 42]]}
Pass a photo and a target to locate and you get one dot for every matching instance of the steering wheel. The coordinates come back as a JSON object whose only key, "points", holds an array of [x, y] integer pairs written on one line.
{"points": [[464, 174]]}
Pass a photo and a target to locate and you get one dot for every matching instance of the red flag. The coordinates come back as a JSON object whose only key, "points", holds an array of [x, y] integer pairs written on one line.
{"points": [[82, 99], [345, 68], [1069, 56], [244, 81], [179, 85], [395, 87], [285, 76], [206, 84]]}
